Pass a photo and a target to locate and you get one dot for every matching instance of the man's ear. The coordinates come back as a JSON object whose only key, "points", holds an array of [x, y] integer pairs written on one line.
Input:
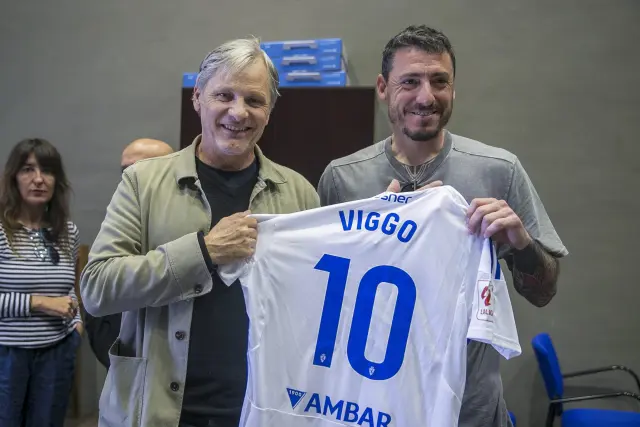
{"points": [[381, 87], [195, 98], [454, 94]]}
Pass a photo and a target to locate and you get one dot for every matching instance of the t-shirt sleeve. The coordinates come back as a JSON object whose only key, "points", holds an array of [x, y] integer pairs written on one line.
{"points": [[492, 321], [526, 203], [327, 190]]}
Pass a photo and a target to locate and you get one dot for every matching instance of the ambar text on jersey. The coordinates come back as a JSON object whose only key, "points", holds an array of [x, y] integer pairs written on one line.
{"points": [[349, 412]]}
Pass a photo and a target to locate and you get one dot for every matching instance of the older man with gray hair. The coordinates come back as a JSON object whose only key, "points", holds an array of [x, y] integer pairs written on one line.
{"points": [[180, 359]]}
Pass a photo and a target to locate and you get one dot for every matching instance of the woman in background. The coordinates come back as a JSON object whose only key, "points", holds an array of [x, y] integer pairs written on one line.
{"points": [[40, 326]]}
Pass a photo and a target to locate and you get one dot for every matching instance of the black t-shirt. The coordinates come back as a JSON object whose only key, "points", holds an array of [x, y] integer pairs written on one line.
{"points": [[217, 366]]}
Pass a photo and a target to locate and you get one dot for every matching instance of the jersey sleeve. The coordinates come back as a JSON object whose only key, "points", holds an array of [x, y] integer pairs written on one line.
{"points": [[492, 321]]}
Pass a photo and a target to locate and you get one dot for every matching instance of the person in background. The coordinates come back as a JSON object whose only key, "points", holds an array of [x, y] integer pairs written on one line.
{"points": [[40, 327], [143, 148], [181, 356], [417, 84], [103, 331]]}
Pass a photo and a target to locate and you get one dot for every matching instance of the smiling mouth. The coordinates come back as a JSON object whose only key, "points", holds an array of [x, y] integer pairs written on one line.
{"points": [[423, 113], [235, 128]]}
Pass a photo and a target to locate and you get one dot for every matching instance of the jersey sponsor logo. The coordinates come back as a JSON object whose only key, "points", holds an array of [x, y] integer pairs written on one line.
{"points": [[395, 198], [485, 297], [341, 410], [391, 224]]}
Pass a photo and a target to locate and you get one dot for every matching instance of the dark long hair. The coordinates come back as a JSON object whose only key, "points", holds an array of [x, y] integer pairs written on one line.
{"points": [[57, 212]]}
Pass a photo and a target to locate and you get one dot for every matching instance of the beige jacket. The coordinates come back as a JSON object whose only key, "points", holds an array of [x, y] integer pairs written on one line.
{"points": [[146, 262]]}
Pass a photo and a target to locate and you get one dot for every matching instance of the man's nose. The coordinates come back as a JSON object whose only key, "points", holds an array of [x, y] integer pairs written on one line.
{"points": [[239, 109], [425, 94]]}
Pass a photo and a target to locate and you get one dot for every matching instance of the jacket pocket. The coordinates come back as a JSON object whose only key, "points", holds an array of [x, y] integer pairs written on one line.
{"points": [[121, 398]]}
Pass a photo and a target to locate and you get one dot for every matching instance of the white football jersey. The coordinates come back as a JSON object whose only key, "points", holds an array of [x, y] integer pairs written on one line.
{"points": [[360, 312]]}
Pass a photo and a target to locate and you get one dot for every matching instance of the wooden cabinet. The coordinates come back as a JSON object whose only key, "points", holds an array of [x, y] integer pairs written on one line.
{"points": [[308, 128]]}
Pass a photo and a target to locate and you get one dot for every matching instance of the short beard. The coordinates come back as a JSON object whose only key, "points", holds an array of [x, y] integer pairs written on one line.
{"points": [[421, 136]]}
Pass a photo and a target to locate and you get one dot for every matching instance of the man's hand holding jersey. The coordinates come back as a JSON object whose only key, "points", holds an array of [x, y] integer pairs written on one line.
{"points": [[495, 218], [233, 238]]}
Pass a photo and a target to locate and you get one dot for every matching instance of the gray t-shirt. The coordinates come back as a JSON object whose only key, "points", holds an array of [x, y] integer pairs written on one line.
{"points": [[475, 170]]}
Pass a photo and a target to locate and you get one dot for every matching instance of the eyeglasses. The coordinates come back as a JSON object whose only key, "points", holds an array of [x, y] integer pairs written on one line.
{"points": [[49, 251]]}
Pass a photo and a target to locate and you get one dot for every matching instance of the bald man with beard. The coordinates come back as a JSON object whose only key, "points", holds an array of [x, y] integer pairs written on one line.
{"points": [[103, 331]]}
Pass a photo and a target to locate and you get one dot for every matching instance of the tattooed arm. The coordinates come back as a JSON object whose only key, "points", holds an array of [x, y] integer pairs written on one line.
{"points": [[535, 273]]}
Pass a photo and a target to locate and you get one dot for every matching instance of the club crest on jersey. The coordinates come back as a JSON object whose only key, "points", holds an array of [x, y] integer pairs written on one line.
{"points": [[340, 410], [485, 301]]}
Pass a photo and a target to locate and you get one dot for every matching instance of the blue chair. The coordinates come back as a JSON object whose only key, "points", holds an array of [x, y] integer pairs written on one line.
{"points": [[554, 384]]}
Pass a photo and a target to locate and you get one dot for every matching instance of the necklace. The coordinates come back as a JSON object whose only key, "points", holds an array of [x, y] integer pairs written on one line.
{"points": [[417, 173]]}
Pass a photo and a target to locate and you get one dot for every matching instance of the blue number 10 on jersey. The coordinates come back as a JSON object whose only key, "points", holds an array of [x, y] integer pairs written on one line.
{"points": [[338, 269]]}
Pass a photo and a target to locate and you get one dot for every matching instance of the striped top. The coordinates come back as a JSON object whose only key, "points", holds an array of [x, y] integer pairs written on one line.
{"points": [[26, 269]]}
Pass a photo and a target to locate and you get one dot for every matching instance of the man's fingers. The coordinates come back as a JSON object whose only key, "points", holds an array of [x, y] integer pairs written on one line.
{"points": [[497, 225], [431, 185], [476, 203], [475, 221], [240, 214], [244, 218], [500, 224], [251, 222], [490, 218], [394, 187]]}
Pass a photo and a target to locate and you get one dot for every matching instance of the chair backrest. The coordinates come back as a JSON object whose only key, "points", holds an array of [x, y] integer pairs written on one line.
{"points": [[548, 364]]}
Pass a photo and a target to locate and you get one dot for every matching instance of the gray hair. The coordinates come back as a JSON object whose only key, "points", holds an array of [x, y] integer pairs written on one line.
{"points": [[233, 56]]}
